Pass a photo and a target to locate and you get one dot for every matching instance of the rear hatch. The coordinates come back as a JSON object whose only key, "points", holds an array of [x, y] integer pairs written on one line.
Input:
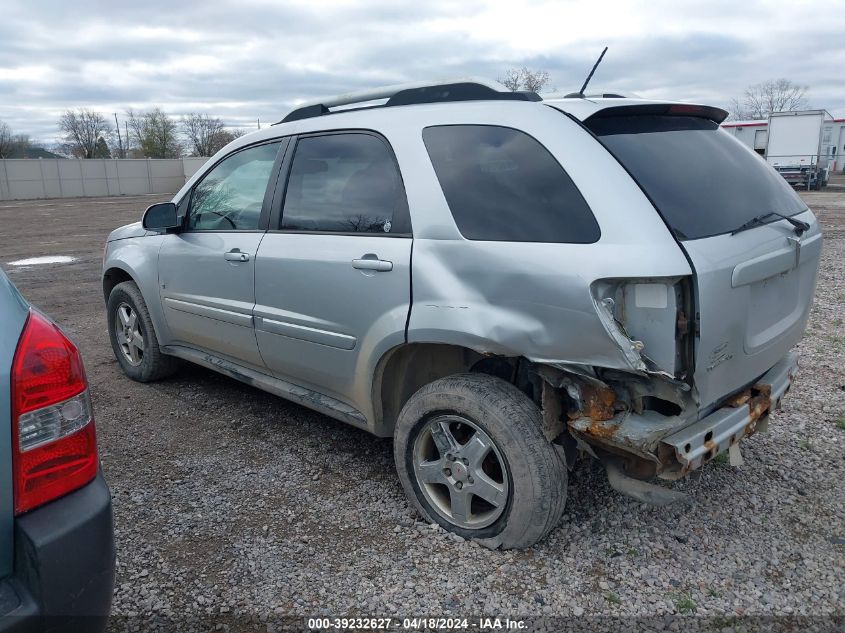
{"points": [[753, 287]]}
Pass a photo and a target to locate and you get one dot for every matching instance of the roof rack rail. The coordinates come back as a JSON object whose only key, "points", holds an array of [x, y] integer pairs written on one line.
{"points": [[464, 89]]}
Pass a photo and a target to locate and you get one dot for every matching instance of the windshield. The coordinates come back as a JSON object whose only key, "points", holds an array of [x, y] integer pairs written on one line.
{"points": [[702, 180]]}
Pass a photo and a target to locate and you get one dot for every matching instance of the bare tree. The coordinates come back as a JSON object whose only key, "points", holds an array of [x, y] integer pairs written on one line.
{"points": [[22, 145], [362, 223], [512, 79], [774, 95], [17, 145], [233, 133], [154, 134], [535, 80], [82, 128], [204, 133], [7, 141], [525, 79]]}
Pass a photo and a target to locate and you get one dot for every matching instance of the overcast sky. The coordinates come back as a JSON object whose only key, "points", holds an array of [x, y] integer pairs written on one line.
{"points": [[245, 59]]}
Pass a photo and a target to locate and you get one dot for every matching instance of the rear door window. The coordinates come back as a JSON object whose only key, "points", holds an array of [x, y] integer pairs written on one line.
{"points": [[503, 185], [345, 183], [702, 180]]}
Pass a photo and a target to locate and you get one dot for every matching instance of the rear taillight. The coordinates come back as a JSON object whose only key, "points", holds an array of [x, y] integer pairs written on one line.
{"points": [[54, 443]]}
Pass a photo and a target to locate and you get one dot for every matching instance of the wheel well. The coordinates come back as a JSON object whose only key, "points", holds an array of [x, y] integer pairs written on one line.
{"points": [[111, 278], [408, 368]]}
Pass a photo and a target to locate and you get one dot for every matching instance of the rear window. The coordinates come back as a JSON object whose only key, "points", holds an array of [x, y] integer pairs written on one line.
{"points": [[502, 185], [702, 181]]}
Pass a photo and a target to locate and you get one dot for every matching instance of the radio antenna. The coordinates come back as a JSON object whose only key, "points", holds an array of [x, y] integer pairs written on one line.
{"points": [[590, 76]]}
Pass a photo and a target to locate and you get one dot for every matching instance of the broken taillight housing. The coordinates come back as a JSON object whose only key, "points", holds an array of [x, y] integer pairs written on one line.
{"points": [[649, 319], [54, 442]]}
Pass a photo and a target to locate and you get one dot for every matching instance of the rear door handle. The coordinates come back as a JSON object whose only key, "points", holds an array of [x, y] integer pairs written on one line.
{"points": [[236, 255], [371, 262]]}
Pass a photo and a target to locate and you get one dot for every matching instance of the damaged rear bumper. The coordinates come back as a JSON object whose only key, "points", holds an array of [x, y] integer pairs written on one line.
{"points": [[740, 416], [649, 444]]}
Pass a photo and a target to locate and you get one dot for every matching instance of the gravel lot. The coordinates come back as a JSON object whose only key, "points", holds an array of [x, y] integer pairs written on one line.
{"points": [[229, 500]]}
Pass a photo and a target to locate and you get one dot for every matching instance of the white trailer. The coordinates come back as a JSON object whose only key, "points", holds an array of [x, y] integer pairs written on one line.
{"points": [[795, 147]]}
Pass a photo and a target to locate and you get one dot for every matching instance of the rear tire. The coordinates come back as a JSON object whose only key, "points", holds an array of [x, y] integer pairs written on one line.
{"points": [[133, 338], [472, 457]]}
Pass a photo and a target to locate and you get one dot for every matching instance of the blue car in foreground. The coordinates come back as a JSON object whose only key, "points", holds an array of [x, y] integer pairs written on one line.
{"points": [[56, 535]]}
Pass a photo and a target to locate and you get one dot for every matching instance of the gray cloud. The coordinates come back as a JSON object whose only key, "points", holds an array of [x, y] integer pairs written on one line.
{"points": [[245, 59]]}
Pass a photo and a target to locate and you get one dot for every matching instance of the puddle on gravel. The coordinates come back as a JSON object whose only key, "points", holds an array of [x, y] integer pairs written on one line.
{"points": [[47, 259]]}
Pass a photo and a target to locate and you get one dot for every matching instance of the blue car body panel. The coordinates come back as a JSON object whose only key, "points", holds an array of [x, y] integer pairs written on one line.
{"points": [[13, 313]]}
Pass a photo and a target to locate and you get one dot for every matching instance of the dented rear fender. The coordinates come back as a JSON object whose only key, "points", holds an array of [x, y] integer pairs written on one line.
{"points": [[529, 300]]}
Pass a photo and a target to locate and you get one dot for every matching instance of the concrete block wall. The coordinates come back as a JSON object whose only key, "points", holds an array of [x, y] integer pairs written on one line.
{"points": [[23, 179]]}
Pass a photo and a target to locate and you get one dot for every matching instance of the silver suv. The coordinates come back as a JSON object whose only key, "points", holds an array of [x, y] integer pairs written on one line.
{"points": [[497, 281]]}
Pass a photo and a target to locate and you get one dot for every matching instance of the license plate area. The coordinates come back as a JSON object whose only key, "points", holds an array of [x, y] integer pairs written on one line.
{"points": [[773, 308]]}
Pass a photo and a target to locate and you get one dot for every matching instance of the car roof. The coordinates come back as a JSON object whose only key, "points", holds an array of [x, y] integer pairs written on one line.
{"points": [[580, 108], [359, 110]]}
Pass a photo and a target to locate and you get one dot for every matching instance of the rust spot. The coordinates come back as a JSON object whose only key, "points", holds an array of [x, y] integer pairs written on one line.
{"points": [[604, 431], [761, 401], [683, 323], [597, 403], [738, 399], [758, 406]]}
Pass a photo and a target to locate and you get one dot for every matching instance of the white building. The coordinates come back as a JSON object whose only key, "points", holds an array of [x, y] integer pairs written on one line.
{"points": [[754, 134]]}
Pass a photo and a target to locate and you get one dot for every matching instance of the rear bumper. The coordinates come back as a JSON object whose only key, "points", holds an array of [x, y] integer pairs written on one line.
{"points": [[64, 565], [669, 446], [740, 416]]}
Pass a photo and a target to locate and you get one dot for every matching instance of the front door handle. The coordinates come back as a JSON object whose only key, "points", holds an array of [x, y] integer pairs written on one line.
{"points": [[235, 255], [372, 262]]}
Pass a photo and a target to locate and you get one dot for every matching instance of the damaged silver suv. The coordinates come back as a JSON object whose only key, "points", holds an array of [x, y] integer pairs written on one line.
{"points": [[497, 281]]}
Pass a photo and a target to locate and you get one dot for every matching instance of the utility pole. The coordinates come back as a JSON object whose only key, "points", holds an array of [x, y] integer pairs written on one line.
{"points": [[120, 153], [259, 123]]}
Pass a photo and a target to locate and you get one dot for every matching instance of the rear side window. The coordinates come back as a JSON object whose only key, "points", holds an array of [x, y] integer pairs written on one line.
{"points": [[702, 180], [344, 183], [502, 185]]}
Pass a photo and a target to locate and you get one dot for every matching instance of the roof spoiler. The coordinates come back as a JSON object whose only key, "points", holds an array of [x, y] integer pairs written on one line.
{"points": [[717, 115]]}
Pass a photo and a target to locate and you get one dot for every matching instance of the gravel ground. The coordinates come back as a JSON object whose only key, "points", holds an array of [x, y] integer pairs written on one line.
{"points": [[230, 501]]}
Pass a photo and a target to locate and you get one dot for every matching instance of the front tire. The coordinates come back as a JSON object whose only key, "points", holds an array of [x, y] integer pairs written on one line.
{"points": [[471, 456], [133, 338]]}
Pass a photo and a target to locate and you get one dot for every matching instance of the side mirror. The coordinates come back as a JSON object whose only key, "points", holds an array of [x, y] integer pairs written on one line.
{"points": [[160, 217]]}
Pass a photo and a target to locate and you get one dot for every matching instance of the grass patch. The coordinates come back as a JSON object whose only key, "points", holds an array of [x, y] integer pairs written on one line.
{"points": [[684, 603], [612, 598], [805, 445], [722, 458], [840, 424], [714, 593], [613, 552]]}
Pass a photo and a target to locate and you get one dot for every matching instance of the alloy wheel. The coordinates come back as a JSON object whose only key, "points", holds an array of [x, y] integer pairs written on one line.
{"points": [[460, 471], [129, 336]]}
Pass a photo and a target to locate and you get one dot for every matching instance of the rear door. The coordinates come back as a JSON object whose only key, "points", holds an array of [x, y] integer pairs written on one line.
{"points": [[13, 313], [754, 288], [207, 271], [332, 279]]}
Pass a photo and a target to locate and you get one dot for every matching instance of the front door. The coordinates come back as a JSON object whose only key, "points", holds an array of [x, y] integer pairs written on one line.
{"points": [[207, 271], [333, 279]]}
